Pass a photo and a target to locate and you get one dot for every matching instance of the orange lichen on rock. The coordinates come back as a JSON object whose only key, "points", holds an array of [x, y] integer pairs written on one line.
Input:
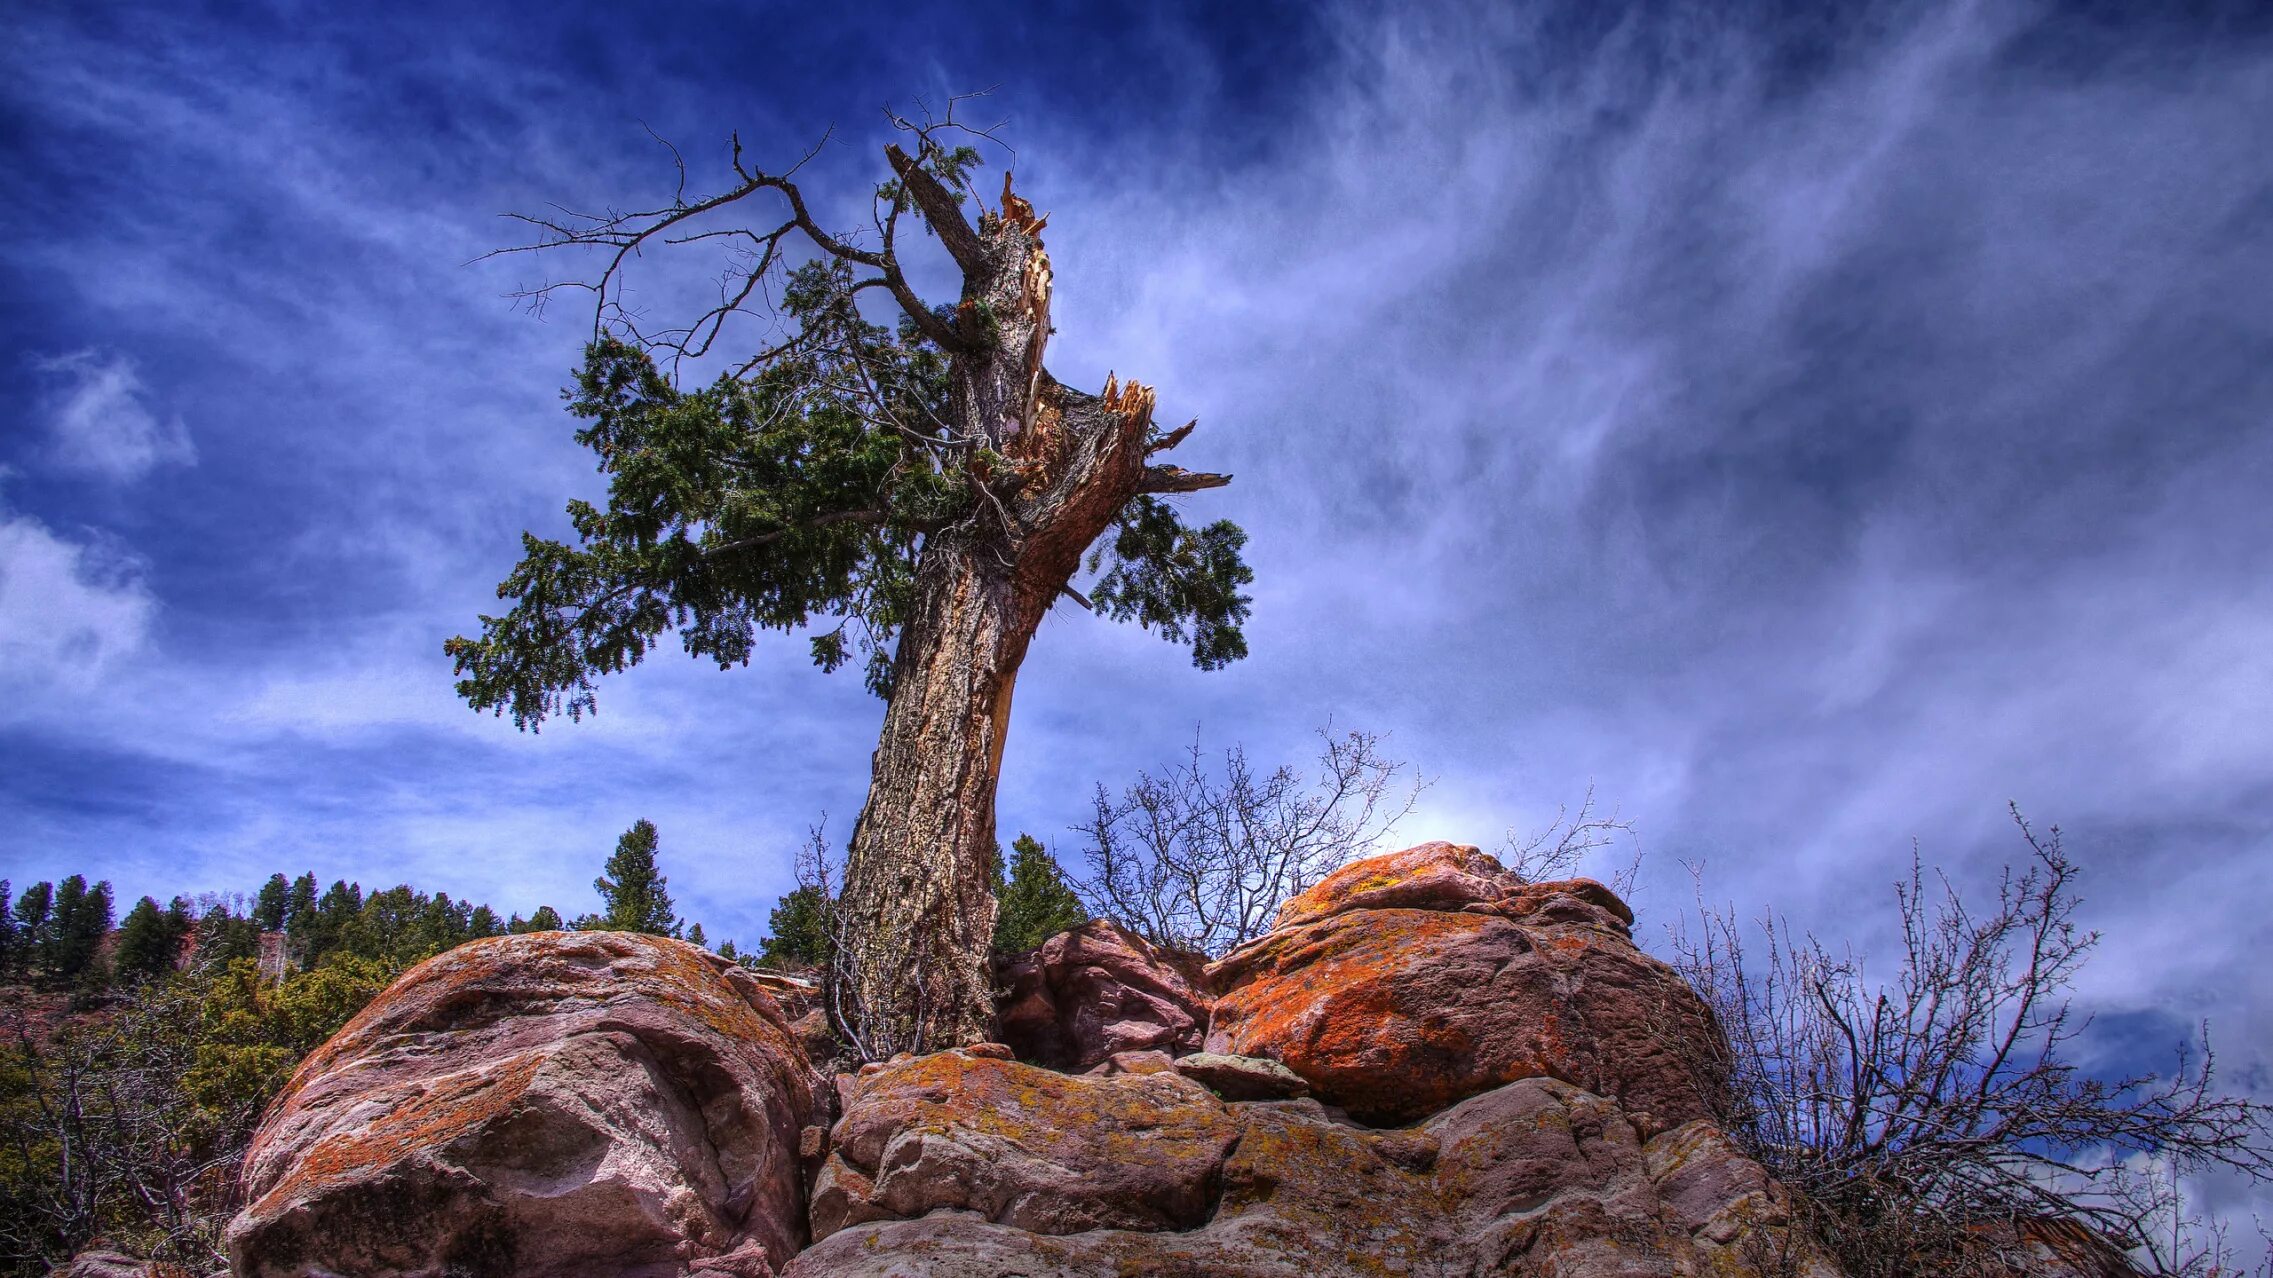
{"points": [[1431, 876], [1047, 1152], [554, 1103], [1405, 982]]}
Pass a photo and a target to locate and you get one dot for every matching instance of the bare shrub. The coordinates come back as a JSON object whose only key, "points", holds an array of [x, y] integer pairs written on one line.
{"points": [[1559, 850], [1935, 1121], [101, 1137], [1199, 856]]}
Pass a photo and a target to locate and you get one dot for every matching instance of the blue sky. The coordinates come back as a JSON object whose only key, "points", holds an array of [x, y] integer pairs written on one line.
{"points": [[1813, 431]]}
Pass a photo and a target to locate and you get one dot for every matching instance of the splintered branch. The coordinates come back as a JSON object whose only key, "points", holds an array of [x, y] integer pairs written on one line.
{"points": [[1176, 479]]}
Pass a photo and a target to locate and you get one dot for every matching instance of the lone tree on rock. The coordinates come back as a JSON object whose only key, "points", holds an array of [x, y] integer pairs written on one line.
{"points": [[918, 494]]}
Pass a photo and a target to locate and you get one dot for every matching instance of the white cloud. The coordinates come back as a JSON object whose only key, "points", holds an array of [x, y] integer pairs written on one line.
{"points": [[100, 422], [68, 610]]}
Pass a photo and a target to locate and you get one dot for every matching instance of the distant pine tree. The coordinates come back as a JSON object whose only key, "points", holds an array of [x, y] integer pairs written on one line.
{"points": [[35, 915], [546, 919], [10, 933], [1034, 904], [300, 908], [148, 943], [631, 888], [82, 920], [695, 936], [800, 931], [270, 907]]}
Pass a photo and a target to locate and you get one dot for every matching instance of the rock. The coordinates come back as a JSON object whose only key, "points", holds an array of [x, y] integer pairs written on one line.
{"points": [[1537, 1177], [1044, 1152], [1431, 876], [1096, 990], [1396, 1012], [547, 1104], [1242, 1078]]}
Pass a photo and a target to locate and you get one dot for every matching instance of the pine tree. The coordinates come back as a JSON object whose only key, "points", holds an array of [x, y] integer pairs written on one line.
{"points": [[728, 951], [483, 922], [546, 919], [1035, 904], [799, 927], [35, 915], [10, 932], [632, 890], [300, 908], [149, 941], [274, 901], [928, 487], [82, 920], [695, 936]]}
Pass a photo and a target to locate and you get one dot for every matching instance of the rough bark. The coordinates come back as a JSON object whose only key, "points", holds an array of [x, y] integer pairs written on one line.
{"points": [[917, 912]]}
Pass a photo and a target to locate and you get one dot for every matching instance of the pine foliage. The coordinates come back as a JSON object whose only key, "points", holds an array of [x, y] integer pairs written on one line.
{"points": [[1033, 903], [632, 890]]}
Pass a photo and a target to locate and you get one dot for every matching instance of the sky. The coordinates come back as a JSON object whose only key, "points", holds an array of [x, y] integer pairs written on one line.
{"points": [[1815, 429]]}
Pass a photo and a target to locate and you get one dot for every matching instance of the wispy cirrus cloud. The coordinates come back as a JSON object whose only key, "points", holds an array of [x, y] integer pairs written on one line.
{"points": [[100, 422]]}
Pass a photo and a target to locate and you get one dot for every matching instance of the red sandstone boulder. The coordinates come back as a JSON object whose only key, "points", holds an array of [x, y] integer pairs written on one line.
{"points": [[548, 1104], [1097, 990], [1534, 1178], [1431, 876], [1395, 1011], [1045, 1152]]}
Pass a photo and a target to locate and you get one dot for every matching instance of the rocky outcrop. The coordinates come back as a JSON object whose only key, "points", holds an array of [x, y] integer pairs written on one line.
{"points": [[953, 1166], [1403, 984], [548, 1104], [1097, 990], [1429, 1068]]}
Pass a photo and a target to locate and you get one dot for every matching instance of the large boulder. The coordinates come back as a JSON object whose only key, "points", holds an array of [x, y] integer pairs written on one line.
{"points": [[1405, 983], [1100, 989], [1007, 1169], [539, 1105], [1048, 1153]]}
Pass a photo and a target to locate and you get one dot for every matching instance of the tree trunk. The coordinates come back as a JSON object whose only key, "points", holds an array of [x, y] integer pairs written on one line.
{"points": [[917, 912]]}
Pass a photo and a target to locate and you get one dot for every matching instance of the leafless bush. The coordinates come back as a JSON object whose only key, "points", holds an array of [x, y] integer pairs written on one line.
{"points": [[1198, 857], [101, 1138], [1558, 851], [1934, 1122]]}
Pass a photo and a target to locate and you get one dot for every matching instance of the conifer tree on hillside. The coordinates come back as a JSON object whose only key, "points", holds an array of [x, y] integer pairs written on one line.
{"points": [[632, 890], [150, 939], [82, 920], [546, 919], [1035, 903], [300, 907], [916, 494], [273, 903], [35, 913], [10, 933]]}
